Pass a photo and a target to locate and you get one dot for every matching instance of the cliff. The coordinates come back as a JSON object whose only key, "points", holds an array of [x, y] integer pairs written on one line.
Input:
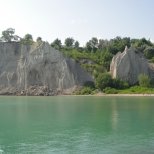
{"points": [[38, 69], [129, 64]]}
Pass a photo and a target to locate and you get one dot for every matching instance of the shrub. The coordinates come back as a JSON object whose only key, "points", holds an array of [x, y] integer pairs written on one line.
{"points": [[103, 80], [119, 84], [27, 40], [144, 80], [85, 91], [149, 52], [109, 90], [89, 84], [152, 60]]}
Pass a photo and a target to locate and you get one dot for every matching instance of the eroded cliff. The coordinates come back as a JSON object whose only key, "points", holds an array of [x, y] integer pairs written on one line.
{"points": [[129, 64], [38, 69]]}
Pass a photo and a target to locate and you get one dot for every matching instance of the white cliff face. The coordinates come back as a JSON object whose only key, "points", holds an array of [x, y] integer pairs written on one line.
{"points": [[39, 65], [128, 65]]}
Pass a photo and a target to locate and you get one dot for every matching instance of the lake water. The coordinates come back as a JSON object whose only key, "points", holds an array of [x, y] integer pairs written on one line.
{"points": [[76, 125]]}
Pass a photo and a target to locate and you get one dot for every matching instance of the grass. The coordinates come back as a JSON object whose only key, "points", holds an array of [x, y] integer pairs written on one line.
{"points": [[108, 90], [137, 90]]}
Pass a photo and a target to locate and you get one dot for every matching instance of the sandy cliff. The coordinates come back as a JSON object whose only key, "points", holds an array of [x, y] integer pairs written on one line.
{"points": [[37, 69], [129, 64]]}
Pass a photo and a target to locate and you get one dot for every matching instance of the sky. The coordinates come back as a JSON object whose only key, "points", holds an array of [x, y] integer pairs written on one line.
{"points": [[80, 19]]}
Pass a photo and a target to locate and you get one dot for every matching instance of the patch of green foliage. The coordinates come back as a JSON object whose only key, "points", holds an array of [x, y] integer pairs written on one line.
{"points": [[87, 89], [104, 81], [144, 80], [149, 52], [137, 90], [97, 62], [77, 55], [27, 40], [109, 90], [151, 60]]}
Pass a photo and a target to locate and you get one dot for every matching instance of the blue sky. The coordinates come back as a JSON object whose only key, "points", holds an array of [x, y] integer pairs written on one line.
{"points": [[80, 19]]}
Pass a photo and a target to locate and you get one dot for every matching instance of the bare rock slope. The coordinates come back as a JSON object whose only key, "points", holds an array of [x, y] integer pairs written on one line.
{"points": [[38, 69], [129, 64]]}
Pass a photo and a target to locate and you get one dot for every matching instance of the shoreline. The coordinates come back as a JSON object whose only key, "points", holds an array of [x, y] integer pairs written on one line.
{"points": [[115, 95], [97, 94], [101, 94]]}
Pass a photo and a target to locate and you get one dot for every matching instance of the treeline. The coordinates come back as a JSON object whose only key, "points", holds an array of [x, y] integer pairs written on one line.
{"points": [[112, 46], [8, 35], [101, 51], [94, 45]]}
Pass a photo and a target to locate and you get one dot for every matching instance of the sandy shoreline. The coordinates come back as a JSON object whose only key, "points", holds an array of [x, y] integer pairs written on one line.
{"points": [[97, 94], [102, 94], [118, 95]]}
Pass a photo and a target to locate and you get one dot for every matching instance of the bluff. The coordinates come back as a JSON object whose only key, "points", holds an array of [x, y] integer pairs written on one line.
{"points": [[38, 69], [129, 64]]}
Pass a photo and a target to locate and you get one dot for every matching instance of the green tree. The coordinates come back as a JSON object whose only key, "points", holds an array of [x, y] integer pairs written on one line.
{"points": [[92, 44], [28, 39], [88, 47], [119, 84], [118, 44], [103, 80], [106, 59], [144, 80], [149, 52], [69, 42], [8, 35], [141, 43], [103, 44], [56, 44], [76, 44], [39, 39]]}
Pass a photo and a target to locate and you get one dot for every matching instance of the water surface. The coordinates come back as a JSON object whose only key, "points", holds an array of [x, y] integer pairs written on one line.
{"points": [[77, 125]]}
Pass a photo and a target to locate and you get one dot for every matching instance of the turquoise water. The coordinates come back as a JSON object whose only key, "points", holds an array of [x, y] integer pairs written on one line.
{"points": [[77, 125]]}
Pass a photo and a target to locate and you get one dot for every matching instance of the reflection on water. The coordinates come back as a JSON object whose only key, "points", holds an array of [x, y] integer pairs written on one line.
{"points": [[114, 115], [1, 151], [77, 125]]}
